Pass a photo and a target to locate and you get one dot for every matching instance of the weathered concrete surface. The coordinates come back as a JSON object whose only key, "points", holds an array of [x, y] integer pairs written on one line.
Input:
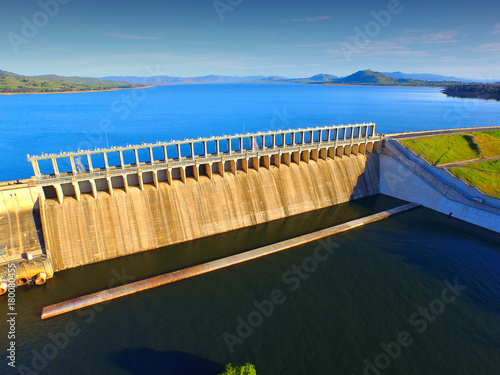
{"points": [[94, 230], [124, 290], [36, 270], [20, 227], [409, 180]]}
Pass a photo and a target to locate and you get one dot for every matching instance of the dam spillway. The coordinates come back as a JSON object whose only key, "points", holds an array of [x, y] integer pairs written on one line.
{"points": [[101, 204], [125, 223]]}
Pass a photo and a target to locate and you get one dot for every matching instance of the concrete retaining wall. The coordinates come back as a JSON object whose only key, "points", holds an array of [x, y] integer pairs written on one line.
{"points": [[20, 227], [465, 191], [406, 181]]}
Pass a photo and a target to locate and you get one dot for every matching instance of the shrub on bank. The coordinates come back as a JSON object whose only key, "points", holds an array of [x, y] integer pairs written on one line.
{"points": [[246, 369]]}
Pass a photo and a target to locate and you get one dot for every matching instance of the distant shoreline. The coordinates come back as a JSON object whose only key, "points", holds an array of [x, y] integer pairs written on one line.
{"points": [[444, 88], [471, 94], [195, 84], [375, 85], [75, 92]]}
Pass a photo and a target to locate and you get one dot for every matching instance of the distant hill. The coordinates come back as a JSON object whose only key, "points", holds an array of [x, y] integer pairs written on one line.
{"points": [[323, 77], [209, 79], [364, 77], [371, 78], [15, 83], [270, 79], [318, 78], [426, 77], [159, 80]]}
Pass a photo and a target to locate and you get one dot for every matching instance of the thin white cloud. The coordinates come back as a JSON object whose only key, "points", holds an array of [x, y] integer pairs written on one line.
{"points": [[317, 45], [376, 49], [419, 37], [56, 49], [310, 19], [127, 36], [488, 47], [201, 43], [414, 43], [427, 37], [496, 29], [37, 47], [481, 72], [173, 64], [243, 67]]}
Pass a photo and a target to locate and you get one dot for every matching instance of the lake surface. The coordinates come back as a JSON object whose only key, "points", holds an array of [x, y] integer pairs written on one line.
{"points": [[382, 302], [335, 318], [34, 124]]}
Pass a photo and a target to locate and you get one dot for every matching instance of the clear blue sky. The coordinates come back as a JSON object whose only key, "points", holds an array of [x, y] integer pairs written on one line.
{"points": [[250, 37]]}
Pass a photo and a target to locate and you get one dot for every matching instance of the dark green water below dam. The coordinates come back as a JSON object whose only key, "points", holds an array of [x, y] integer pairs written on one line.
{"points": [[414, 294]]}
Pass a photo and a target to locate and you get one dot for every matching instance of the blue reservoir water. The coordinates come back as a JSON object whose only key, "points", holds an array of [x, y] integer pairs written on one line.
{"points": [[411, 295], [34, 124], [421, 286]]}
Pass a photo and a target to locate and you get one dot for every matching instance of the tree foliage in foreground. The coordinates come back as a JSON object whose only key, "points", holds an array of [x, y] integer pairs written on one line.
{"points": [[246, 369]]}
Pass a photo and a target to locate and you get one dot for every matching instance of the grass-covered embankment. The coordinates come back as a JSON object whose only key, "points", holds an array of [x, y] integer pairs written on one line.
{"points": [[484, 175], [457, 147]]}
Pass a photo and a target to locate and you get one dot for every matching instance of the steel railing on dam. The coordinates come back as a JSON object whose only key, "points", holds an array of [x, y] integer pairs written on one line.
{"points": [[177, 160]]}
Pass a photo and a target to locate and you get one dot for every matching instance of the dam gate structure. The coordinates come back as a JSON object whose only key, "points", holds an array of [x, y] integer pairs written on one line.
{"points": [[180, 160], [89, 206]]}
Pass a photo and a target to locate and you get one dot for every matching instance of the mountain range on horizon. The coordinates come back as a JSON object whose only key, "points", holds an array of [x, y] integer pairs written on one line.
{"points": [[15, 83], [360, 77], [428, 77]]}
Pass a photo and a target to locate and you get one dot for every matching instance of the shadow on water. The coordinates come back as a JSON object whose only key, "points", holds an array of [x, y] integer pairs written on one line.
{"points": [[458, 256], [454, 238], [140, 361]]}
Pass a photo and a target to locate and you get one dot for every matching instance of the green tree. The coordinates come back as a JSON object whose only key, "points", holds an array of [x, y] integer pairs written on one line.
{"points": [[246, 369]]}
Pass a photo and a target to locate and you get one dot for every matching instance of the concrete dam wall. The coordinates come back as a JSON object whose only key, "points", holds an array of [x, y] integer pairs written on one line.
{"points": [[92, 230], [101, 204]]}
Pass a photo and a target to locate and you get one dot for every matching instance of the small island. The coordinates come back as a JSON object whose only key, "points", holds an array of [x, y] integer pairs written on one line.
{"points": [[11, 83]]}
